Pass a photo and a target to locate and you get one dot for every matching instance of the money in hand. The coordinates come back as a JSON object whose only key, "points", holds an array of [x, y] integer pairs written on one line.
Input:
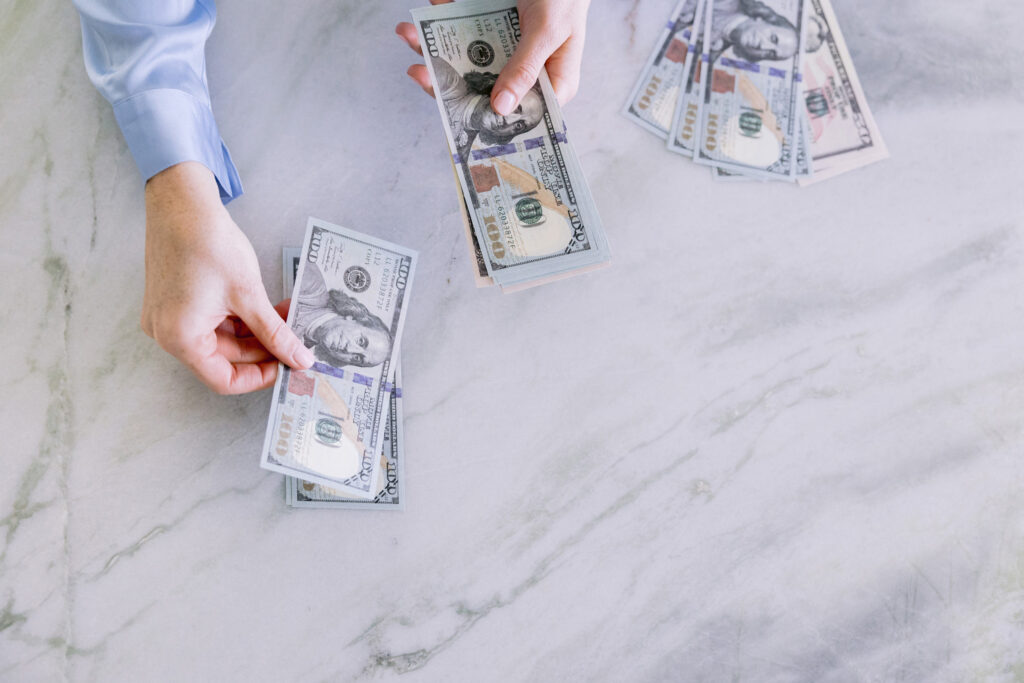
{"points": [[391, 493], [528, 203], [326, 424]]}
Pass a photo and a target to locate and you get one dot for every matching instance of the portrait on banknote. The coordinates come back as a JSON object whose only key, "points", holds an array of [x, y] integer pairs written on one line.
{"points": [[756, 31], [467, 101], [340, 330]]}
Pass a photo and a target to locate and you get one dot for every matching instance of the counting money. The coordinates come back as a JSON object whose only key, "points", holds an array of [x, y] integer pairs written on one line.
{"points": [[325, 424], [529, 204], [669, 69], [391, 492]]}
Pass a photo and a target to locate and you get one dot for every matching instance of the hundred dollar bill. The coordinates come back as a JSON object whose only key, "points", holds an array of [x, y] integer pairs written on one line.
{"points": [[391, 488], [325, 423], [750, 116], [804, 169], [843, 133], [291, 257], [530, 206], [480, 276], [391, 495], [667, 71], [683, 134]]}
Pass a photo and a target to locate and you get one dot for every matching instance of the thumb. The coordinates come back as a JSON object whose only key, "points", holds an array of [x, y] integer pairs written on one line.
{"points": [[270, 328], [521, 72]]}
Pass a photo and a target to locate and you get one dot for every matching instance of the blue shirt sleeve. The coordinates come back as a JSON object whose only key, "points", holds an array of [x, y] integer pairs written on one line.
{"points": [[147, 57]]}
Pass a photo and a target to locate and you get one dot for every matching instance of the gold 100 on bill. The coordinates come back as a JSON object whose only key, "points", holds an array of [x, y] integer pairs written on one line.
{"points": [[529, 204], [348, 306]]}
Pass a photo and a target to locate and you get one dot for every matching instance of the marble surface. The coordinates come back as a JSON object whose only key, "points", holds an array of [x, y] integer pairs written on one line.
{"points": [[779, 440]]}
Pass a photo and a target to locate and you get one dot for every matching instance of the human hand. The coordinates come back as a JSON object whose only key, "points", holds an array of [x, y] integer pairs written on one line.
{"points": [[553, 34], [204, 301]]}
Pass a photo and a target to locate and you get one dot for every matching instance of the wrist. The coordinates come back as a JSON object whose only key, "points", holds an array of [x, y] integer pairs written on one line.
{"points": [[186, 187]]}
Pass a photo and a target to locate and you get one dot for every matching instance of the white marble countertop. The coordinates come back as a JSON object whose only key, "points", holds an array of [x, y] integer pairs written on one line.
{"points": [[780, 439]]}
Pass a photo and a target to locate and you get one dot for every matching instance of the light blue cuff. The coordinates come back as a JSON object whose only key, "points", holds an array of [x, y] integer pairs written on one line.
{"points": [[165, 127]]}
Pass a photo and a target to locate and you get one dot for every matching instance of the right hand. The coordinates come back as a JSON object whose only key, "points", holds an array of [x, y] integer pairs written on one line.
{"points": [[553, 35], [204, 301]]}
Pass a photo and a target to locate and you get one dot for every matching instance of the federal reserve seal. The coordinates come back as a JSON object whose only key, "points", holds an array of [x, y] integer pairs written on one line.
{"points": [[357, 279], [529, 211], [480, 53]]}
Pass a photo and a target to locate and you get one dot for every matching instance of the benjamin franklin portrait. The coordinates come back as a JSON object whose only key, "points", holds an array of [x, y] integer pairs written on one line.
{"points": [[340, 330]]}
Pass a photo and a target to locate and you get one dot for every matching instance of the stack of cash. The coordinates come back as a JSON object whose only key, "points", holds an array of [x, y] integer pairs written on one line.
{"points": [[336, 428], [761, 89], [528, 211]]}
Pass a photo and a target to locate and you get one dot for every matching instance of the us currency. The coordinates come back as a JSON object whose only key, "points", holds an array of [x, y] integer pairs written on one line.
{"points": [[480, 271], [391, 488], [326, 423], [843, 133], [667, 76], [750, 117], [480, 276], [804, 168], [531, 209], [391, 494], [684, 132]]}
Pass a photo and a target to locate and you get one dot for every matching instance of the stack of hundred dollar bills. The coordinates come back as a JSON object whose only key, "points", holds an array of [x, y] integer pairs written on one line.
{"points": [[761, 89], [336, 428], [528, 211]]}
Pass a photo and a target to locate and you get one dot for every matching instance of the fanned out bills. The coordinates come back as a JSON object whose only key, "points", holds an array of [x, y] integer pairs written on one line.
{"points": [[667, 81], [528, 202], [326, 424], [391, 493], [766, 90]]}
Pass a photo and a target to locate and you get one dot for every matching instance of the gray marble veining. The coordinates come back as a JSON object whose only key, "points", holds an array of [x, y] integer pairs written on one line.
{"points": [[780, 439]]}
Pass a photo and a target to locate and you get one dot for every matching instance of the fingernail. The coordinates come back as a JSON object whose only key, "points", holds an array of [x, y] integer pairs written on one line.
{"points": [[503, 102], [304, 357]]}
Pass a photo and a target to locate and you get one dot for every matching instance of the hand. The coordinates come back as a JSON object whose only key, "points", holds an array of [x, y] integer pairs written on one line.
{"points": [[204, 301], [553, 35]]}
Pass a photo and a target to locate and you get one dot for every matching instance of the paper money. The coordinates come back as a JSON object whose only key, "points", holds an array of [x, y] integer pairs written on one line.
{"points": [[326, 423], [291, 257], [804, 169], [685, 128], [480, 276], [750, 115], [771, 93], [391, 494], [391, 488], [669, 68], [843, 133], [529, 204]]}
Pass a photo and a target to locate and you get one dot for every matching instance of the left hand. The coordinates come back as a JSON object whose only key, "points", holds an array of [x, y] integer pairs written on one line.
{"points": [[553, 34]]}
